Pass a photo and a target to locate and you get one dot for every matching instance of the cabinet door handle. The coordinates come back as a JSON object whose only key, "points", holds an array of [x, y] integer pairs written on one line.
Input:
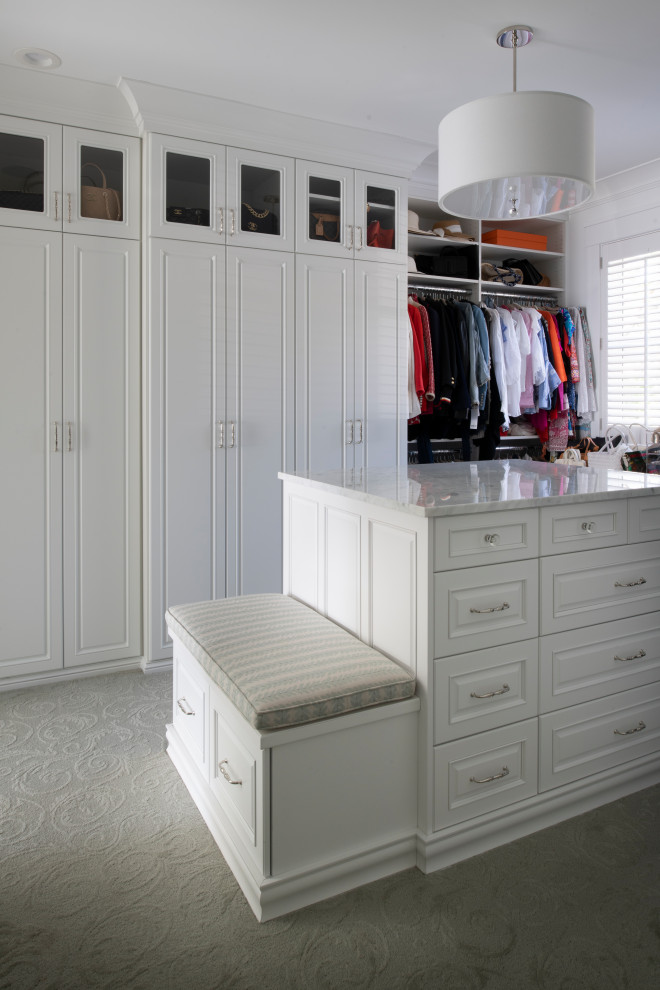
{"points": [[184, 706], [68, 197], [636, 656], [350, 431], [69, 437], [233, 435], [495, 608], [222, 767], [359, 421], [361, 244], [629, 584], [57, 206], [220, 435], [628, 732], [491, 694], [496, 776], [233, 222], [588, 527], [221, 220], [492, 539], [57, 437], [349, 228]]}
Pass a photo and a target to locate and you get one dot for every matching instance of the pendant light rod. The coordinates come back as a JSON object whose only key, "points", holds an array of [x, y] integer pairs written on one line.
{"points": [[516, 36]]}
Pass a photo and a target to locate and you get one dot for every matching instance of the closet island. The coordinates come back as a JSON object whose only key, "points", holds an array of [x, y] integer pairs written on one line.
{"points": [[524, 596]]}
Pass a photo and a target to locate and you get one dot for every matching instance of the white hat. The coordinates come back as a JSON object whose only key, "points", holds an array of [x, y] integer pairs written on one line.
{"points": [[449, 228], [412, 267], [413, 224]]}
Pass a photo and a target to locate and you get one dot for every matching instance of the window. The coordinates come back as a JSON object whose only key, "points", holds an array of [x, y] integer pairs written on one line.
{"points": [[632, 276]]}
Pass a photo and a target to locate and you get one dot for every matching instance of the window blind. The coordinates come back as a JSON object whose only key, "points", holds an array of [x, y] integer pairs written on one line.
{"points": [[633, 339]]}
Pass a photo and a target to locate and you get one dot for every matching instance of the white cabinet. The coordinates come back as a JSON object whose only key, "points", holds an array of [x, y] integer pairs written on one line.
{"points": [[209, 193], [68, 178], [70, 390], [220, 423], [345, 213], [350, 387]]}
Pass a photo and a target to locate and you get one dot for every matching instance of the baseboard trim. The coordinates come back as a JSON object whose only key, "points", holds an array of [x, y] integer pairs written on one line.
{"points": [[469, 838]]}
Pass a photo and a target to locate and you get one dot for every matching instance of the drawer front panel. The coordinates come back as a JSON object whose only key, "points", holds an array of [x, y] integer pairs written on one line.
{"points": [[566, 528], [190, 709], [599, 586], [499, 537], [478, 691], [588, 738], [484, 772], [475, 609], [644, 518], [597, 661]]}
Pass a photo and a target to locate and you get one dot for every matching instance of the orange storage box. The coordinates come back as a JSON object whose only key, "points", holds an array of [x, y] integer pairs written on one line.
{"points": [[515, 238]]}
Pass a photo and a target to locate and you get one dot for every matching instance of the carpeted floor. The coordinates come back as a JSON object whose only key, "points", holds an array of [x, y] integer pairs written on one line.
{"points": [[109, 879]]}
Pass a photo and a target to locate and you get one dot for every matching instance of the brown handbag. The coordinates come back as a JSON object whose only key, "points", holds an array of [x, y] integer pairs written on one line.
{"points": [[99, 202], [324, 226]]}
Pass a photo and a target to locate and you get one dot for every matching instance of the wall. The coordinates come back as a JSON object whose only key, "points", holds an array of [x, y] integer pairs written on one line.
{"points": [[625, 205]]}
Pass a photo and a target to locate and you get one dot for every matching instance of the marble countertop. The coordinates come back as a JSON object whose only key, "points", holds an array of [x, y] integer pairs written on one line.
{"points": [[463, 487]]}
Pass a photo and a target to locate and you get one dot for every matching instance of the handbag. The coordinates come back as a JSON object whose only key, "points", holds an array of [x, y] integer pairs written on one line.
{"points": [[571, 456], [258, 221], [617, 442], [378, 236], [27, 198], [186, 214], [531, 275], [99, 202], [324, 226]]}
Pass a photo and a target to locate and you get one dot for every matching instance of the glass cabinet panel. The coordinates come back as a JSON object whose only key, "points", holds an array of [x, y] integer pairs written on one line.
{"points": [[101, 183], [381, 210], [261, 200], [187, 189], [22, 172], [325, 209]]}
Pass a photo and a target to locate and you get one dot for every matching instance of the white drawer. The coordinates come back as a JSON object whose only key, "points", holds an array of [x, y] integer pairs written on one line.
{"points": [[644, 518], [191, 706], [566, 528], [478, 691], [236, 772], [488, 538], [484, 772], [489, 606], [599, 586], [585, 739], [596, 661]]}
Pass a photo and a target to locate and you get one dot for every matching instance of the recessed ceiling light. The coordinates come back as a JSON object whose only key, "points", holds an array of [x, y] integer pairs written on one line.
{"points": [[37, 58]]}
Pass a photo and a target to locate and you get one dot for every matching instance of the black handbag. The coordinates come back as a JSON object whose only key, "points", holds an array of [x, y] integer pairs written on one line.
{"points": [[531, 275], [185, 214], [26, 198], [258, 221]]}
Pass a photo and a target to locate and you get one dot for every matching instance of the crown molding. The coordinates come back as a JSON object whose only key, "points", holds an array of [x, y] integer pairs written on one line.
{"points": [[178, 113], [40, 95]]}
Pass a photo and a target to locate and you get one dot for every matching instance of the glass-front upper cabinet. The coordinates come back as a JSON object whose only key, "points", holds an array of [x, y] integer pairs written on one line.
{"points": [[30, 174], [101, 183], [340, 212], [65, 178], [260, 190], [380, 218]]}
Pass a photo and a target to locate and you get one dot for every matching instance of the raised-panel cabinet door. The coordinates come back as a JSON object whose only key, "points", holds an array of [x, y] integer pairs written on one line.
{"points": [[101, 450], [31, 192], [101, 183], [380, 218], [324, 210], [185, 482], [260, 200], [381, 366], [325, 364], [187, 199], [259, 426], [31, 451]]}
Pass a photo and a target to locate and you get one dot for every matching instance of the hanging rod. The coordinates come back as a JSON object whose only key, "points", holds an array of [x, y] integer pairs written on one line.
{"points": [[437, 290], [518, 297]]}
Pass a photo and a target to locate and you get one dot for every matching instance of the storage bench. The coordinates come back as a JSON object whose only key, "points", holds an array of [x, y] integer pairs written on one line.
{"points": [[298, 744]]}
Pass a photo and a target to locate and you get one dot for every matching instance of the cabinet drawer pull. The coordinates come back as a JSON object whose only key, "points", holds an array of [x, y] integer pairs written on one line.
{"points": [[187, 710], [628, 732], [629, 584], [588, 527], [636, 656], [491, 694], [495, 608], [492, 539], [486, 780], [222, 767]]}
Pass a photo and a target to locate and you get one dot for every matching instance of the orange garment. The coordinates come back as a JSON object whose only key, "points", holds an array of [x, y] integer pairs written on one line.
{"points": [[556, 357]]}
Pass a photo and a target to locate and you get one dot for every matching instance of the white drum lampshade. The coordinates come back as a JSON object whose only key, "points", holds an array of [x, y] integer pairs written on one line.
{"points": [[516, 155]]}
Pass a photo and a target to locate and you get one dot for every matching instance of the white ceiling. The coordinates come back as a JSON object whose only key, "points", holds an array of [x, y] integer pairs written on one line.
{"points": [[395, 66]]}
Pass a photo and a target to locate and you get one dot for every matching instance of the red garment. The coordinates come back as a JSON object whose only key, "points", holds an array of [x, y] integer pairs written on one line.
{"points": [[421, 371], [556, 357]]}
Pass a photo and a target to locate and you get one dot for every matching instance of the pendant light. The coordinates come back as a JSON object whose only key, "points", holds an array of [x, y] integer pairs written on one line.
{"points": [[516, 155]]}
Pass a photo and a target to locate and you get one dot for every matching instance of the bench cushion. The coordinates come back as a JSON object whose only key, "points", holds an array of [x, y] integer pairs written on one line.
{"points": [[281, 663]]}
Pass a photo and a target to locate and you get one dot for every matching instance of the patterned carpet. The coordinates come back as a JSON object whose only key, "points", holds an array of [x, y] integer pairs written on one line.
{"points": [[109, 879]]}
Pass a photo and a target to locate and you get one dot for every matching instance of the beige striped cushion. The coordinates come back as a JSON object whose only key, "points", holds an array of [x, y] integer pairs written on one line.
{"points": [[283, 664]]}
